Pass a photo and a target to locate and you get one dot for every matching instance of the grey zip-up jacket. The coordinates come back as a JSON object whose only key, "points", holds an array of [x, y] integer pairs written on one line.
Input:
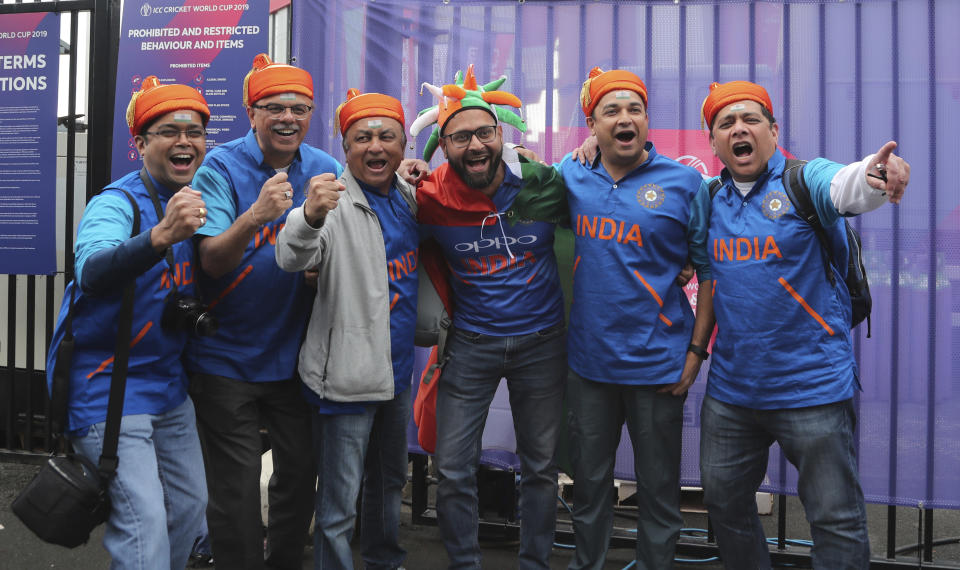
{"points": [[345, 356]]}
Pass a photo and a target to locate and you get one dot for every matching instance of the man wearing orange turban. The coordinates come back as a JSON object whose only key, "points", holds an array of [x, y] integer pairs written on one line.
{"points": [[783, 368], [630, 208], [245, 377], [362, 238], [158, 493]]}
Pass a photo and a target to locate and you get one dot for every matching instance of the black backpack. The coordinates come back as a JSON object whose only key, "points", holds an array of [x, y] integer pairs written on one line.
{"points": [[855, 276]]}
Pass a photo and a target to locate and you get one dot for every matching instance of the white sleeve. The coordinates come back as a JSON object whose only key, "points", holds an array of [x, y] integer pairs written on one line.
{"points": [[850, 192]]}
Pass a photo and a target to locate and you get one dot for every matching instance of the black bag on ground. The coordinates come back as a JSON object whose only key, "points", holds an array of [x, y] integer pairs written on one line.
{"points": [[64, 502]]}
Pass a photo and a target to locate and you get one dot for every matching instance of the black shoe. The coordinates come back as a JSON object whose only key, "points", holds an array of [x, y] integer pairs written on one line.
{"points": [[198, 560]]}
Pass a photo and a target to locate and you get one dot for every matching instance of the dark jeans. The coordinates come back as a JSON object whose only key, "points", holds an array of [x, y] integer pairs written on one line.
{"points": [[534, 366], [654, 422], [818, 441]]}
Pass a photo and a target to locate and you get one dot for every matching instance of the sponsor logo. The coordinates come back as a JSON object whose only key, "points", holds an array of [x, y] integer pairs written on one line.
{"points": [[145, 10], [496, 243]]}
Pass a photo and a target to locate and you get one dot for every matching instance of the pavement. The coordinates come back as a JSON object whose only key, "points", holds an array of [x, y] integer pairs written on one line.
{"points": [[21, 550]]}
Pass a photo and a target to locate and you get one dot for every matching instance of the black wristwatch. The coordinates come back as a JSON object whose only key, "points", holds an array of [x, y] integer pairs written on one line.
{"points": [[699, 351]]}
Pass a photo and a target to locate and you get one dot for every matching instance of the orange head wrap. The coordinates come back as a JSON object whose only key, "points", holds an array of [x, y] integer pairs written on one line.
{"points": [[601, 82], [361, 105], [267, 78], [724, 94], [155, 99]]}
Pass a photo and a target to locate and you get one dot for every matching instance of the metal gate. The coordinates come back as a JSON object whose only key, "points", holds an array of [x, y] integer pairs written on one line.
{"points": [[29, 303]]}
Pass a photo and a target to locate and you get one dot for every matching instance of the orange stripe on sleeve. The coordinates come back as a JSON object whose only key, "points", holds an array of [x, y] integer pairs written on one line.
{"points": [[529, 279], [133, 343], [666, 321], [230, 287], [806, 306], [396, 297], [649, 288], [575, 264]]}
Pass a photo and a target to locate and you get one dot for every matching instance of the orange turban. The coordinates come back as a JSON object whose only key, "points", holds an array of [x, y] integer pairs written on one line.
{"points": [[601, 82], [724, 94], [267, 78], [155, 99], [360, 105]]}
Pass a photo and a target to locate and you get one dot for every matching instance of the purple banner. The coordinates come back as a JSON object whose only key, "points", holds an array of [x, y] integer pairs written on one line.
{"points": [[845, 77], [207, 44], [29, 62]]}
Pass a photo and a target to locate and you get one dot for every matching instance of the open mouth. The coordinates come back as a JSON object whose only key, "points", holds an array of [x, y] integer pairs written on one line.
{"points": [[376, 164], [478, 163], [742, 149], [181, 161], [625, 136], [285, 131]]}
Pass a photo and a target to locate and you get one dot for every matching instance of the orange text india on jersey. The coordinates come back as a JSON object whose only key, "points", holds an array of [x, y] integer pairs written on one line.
{"points": [[609, 229], [744, 248]]}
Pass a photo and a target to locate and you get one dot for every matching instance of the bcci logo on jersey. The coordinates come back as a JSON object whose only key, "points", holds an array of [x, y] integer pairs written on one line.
{"points": [[650, 196], [775, 204]]}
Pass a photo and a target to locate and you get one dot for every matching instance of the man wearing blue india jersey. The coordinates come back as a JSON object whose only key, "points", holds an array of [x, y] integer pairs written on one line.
{"points": [[783, 368], [357, 358], [244, 378], [158, 493], [634, 346]]}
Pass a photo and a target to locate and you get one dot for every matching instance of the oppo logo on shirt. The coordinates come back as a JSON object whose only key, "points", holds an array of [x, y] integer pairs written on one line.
{"points": [[495, 243], [742, 249]]}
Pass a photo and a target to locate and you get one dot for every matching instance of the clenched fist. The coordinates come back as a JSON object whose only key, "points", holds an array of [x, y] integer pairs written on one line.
{"points": [[322, 193], [276, 197], [185, 213]]}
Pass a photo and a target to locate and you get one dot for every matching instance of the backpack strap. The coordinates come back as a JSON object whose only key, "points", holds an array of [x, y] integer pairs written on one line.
{"points": [[799, 195], [715, 185]]}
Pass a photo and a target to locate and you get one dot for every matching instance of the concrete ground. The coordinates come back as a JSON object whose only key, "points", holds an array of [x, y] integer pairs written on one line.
{"points": [[21, 550]]}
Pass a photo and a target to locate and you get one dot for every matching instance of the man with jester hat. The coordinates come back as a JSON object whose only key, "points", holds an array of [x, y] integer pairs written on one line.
{"points": [[508, 320]]}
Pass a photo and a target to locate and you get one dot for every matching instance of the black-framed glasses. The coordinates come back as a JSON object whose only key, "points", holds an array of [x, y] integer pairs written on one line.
{"points": [[276, 110], [462, 138], [172, 134]]}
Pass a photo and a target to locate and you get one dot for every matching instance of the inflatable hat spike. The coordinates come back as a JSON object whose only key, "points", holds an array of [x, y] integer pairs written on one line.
{"points": [[462, 94]]}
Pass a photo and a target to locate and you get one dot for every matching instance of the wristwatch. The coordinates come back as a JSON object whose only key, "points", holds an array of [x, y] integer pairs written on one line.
{"points": [[699, 351]]}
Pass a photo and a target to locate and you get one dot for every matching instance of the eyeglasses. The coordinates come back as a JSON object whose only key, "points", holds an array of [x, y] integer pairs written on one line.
{"points": [[276, 110], [174, 134], [463, 138]]}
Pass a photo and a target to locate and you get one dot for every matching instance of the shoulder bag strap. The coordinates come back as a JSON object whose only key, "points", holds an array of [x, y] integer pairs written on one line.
{"points": [[118, 380]]}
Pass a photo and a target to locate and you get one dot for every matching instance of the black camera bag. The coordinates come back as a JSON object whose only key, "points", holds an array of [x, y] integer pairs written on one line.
{"points": [[64, 502], [68, 497]]}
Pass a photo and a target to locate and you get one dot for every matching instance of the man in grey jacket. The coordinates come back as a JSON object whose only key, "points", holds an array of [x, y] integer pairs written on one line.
{"points": [[356, 361]]}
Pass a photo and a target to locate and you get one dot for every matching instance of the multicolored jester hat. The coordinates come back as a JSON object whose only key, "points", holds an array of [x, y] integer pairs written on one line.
{"points": [[462, 94]]}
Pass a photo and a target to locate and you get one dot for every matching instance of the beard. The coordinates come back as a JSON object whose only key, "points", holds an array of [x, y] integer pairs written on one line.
{"points": [[477, 180]]}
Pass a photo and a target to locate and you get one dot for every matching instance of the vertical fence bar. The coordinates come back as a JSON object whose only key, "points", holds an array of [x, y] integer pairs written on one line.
{"points": [[681, 67], [549, 86], [11, 369], [932, 270], [894, 301]]}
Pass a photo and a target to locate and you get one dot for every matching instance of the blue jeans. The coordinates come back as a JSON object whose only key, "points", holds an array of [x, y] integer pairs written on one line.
{"points": [[534, 366], [349, 448], [654, 422], [159, 493], [819, 442]]}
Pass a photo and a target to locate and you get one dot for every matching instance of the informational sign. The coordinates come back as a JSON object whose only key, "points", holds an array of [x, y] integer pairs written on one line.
{"points": [[29, 58], [207, 44]]}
